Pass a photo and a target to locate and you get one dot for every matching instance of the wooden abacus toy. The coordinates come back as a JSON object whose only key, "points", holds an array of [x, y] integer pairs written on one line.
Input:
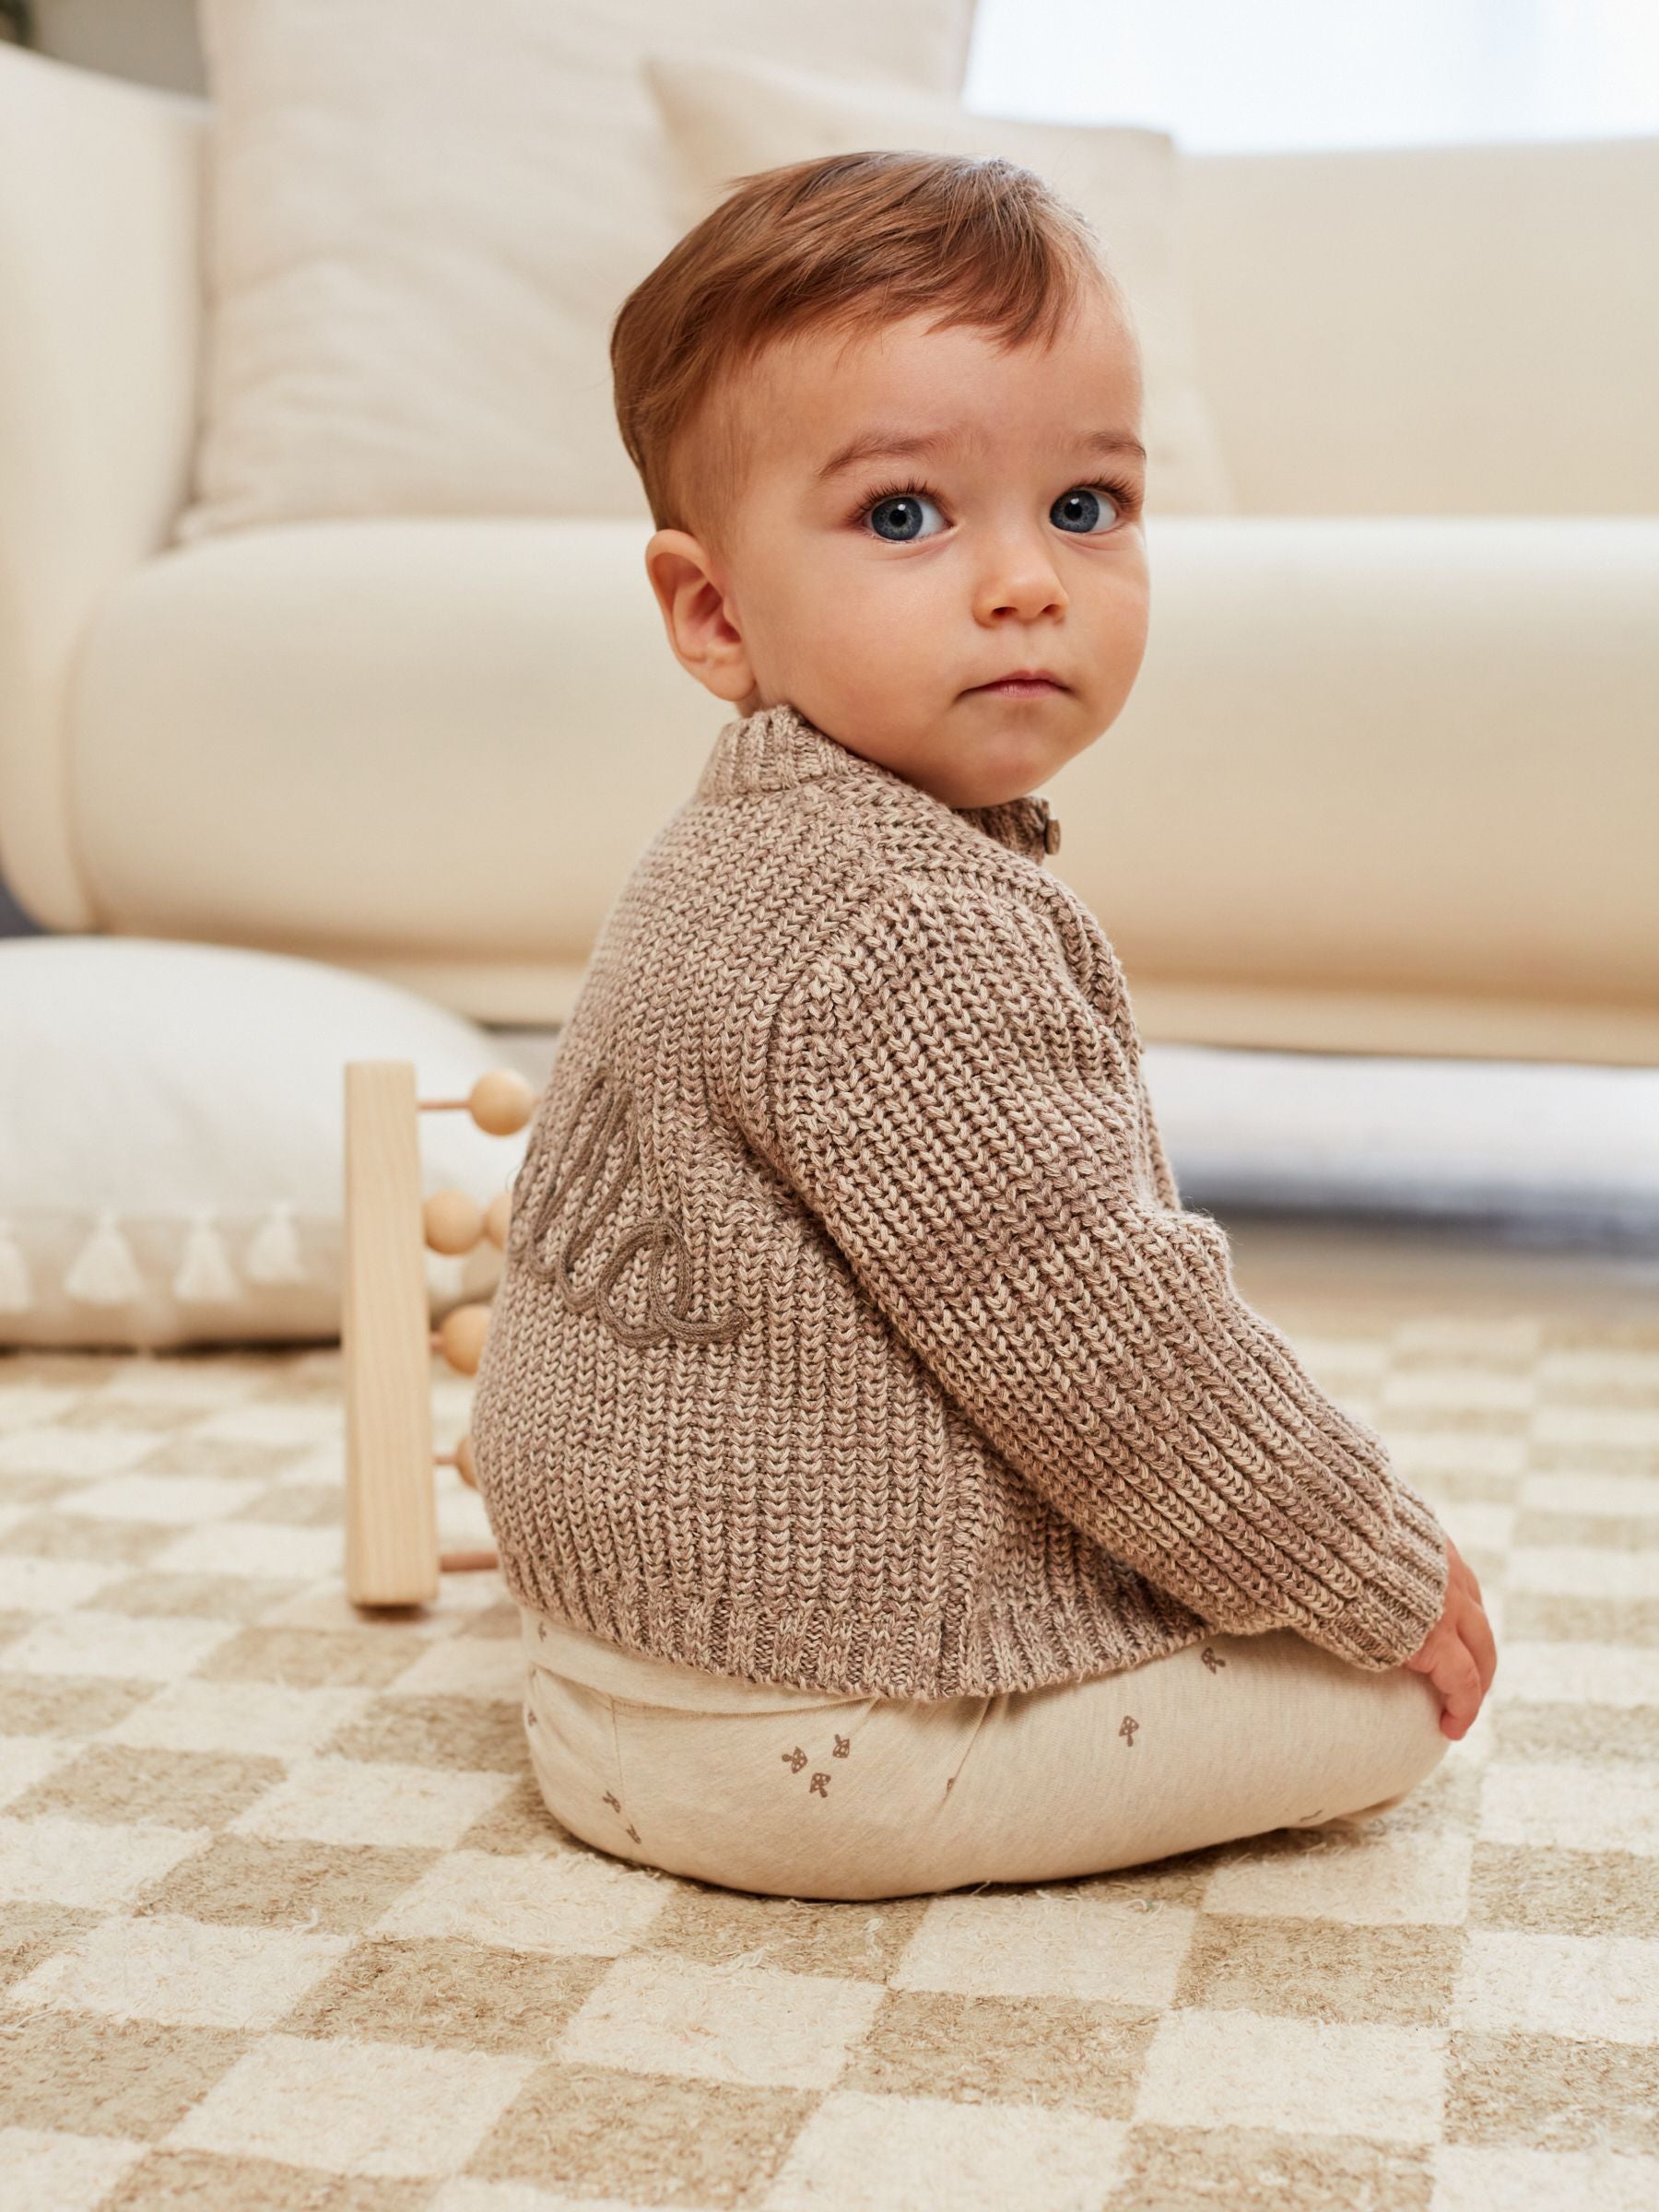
{"points": [[386, 1336]]}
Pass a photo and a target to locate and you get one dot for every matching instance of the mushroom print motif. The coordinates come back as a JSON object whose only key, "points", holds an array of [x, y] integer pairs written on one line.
{"points": [[1128, 1729], [616, 1805], [1210, 1660]]}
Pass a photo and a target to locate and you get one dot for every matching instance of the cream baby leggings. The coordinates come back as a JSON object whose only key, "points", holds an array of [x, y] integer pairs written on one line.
{"points": [[799, 1793]]}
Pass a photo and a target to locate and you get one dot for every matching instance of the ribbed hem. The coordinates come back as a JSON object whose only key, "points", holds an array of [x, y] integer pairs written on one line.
{"points": [[890, 1655], [1405, 1591]]}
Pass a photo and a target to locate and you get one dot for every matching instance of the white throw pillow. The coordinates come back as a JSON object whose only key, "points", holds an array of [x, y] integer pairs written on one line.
{"points": [[173, 1139], [421, 220], [726, 118]]}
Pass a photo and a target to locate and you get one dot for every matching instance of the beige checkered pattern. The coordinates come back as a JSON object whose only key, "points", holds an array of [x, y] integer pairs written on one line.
{"points": [[287, 1925]]}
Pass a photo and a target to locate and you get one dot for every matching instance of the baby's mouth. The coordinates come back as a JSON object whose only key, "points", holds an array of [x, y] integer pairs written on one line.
{"points": [[1022, 686]]}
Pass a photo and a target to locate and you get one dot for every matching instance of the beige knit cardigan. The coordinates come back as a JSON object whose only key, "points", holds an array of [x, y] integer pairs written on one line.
{"points": [[851, 1333]]}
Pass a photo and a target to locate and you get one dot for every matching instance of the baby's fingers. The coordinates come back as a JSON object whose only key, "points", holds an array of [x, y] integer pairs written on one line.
{"points": [[1457, 1678], [1477, 1630]]}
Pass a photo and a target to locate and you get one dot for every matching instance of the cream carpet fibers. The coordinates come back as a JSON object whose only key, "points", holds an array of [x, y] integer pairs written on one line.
{"points": [[285, 1924]]}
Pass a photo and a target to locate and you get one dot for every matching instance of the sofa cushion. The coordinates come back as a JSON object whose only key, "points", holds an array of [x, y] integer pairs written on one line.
{"points": [[422, 217], [390, 742], [727, 117]]}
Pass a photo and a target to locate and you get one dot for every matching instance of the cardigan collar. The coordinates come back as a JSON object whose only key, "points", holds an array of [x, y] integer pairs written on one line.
{"points": [[777, 746]]}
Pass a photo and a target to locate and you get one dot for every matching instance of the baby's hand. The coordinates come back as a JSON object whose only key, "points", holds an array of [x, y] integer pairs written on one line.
{"points": [[1458, 1654]]}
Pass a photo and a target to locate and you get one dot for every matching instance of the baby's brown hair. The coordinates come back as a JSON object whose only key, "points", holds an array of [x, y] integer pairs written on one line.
{"points": [[853, 241]]}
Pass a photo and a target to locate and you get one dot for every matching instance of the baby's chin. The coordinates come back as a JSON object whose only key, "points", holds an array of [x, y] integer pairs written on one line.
{"points": [[967, 766]]}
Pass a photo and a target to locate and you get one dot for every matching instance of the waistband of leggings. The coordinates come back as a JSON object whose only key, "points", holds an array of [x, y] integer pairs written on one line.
{"points": [[575, 1655]]}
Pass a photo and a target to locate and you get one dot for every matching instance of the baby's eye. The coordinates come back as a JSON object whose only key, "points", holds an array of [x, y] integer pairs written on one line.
{"points": [[1079, 509], [902, 511]]}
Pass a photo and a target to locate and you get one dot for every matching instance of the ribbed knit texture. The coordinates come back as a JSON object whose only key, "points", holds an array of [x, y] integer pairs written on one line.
{"points": [[851, 1332]]}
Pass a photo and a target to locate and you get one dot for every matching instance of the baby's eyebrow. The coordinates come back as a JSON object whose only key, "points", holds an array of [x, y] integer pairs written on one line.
{"points": [[1102, 442], [894, 445], [883, 444]]}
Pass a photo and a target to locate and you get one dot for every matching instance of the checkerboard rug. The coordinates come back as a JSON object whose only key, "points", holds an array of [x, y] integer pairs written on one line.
{"points": [[287, 1925]]}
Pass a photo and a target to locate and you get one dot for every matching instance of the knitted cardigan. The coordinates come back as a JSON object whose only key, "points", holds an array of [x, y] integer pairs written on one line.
{"points": [[851, 1333]]}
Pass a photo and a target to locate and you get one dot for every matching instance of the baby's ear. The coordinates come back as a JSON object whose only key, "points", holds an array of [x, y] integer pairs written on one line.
{"points": [[701, 635]]}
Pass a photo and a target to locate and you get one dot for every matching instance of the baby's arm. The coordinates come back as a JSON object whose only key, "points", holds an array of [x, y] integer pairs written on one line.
{"points": [[968, 1126]]}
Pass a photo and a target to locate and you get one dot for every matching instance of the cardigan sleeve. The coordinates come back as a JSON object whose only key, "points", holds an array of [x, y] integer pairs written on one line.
{"points": [[972, 1131]]}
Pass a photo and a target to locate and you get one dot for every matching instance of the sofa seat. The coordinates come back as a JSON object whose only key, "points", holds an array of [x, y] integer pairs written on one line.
{"points": [[1338, 809]]}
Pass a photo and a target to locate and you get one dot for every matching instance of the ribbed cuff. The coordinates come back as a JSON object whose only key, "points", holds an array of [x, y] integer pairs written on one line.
{"points": [[1405, 1592]]}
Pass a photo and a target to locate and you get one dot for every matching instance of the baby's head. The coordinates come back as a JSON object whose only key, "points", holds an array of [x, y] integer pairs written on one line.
{"points": [[886, 410]]}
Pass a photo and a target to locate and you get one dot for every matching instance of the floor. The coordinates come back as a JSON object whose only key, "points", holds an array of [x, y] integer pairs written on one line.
{"points": [[286, 1925]]}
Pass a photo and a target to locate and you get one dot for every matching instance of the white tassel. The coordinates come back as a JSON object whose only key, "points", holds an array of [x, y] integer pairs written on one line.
{"points": [[17, 1293], [104, 1273], [274, 1254], [206, 1275]]}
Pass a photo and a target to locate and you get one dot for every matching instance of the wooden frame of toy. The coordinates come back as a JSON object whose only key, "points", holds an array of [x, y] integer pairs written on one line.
{"points": [[386, 1336]]}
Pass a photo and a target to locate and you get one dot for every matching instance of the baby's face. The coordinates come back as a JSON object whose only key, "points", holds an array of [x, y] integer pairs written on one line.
{"points": [[989, 523]]}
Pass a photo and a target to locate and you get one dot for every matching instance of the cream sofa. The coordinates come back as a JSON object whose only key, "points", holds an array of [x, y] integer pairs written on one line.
{"points": [[1389, 782]]}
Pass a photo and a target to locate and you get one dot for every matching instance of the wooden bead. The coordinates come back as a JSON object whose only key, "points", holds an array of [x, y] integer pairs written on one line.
{"points": [[453, 1223], [461, 1336], [502, 1102], [465, 1466], [497, 1215]]}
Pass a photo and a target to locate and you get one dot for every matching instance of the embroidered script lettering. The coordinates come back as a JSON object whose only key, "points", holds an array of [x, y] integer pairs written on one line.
{"points": [[603, 1130]]}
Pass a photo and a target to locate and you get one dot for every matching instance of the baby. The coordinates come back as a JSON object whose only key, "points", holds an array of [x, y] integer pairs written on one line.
{"points": [[897, 1490]]}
